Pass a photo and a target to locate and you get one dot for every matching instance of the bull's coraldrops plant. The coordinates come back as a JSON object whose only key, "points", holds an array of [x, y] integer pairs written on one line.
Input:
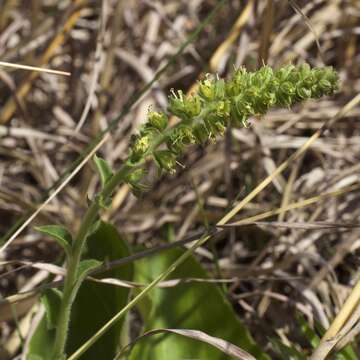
{"points": [[202, 116]]}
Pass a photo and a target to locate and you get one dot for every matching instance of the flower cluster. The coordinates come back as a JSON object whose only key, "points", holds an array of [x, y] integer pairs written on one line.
{"points": [[218, 103]]}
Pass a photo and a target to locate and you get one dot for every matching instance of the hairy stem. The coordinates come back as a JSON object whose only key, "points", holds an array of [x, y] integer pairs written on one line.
{"points": [[70, 287]]}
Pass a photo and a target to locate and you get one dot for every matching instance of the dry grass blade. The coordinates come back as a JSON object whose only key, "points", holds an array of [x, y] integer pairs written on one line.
{"points": [[351, 335], [99, 55], [292, 206], [266, 32], [176, 282], [296, 7], [10, 106], [307, 225], [350, 105], [20, 297], [163, 284], [53, 195], [34, 68], [21, 307], [234, 33], [339, 324], [224, 346], [343, 336], [50, 268], [303, 229]]}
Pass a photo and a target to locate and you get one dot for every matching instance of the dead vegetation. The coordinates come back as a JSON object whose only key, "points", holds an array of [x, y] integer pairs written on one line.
{"points": [[293, 259]]}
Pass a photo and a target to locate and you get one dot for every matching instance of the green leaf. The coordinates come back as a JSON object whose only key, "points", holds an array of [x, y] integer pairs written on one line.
{"points": [[95, 303], [34, 357], [308, 332], [51, 300], [195, 305], [58, 233], [85, 268], [41, 343], [103, 169]]}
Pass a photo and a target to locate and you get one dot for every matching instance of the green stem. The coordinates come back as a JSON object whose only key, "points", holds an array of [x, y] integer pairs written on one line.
{"points": [[73, 263]]}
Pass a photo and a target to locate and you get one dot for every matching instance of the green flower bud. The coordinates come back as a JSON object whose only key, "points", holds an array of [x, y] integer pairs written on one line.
{"points": [[216, 125], [185, 135], [193, 106], [303, 92], [219, 88], [183, 107], [135, 176], [181, 136], [325, 85], [158, 120], [206, 89], [174, 144], [283, 73], [285, 94], [287, 88], [201, 133], [223, 109], [304, 71], [166, 160], [268, 99], [138, 189], [140, 144], [265, 74], [176, 104]]}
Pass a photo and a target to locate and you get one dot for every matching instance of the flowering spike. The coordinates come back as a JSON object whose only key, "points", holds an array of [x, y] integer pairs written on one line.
{"points": [[218, 102]]}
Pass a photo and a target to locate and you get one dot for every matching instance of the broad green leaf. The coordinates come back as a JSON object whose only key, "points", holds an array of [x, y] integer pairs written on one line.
{"points": [[51, 300], [95, 303], [58, 233], [35, 357], [41, 342], [195, 305], [103, 169]]}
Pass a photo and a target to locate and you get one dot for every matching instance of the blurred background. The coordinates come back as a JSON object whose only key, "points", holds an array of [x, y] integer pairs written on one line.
{"points": [[112, 50]]}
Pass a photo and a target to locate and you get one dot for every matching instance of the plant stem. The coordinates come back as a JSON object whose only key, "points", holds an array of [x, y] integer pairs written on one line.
{"points": [[74, 260]]}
